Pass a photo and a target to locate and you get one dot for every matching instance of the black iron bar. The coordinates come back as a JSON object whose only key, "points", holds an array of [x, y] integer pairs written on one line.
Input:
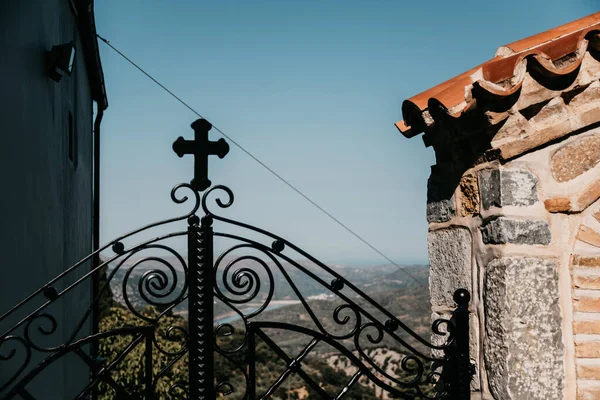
{"points": [[305, 255], [347, 299], [73, 285], [137, 331], [200, 269], [193, 266], [120, 238], [251, 362], [288, 371], [349, 385], [200, 289], [293, 365], [148, 375], [457, 370]]}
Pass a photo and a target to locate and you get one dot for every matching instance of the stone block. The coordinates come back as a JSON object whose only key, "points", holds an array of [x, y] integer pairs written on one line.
{"points": [[575, 158], [489, 185], [584, 261], [441, 211], [469, 190], [450, 264], [588, 235], [515, 126], [553, 121], [586, 106], [589, 195], [579, 202], [586, 303], [518, 188], [503, 230], [588, 391], [558, 204], [500, 188], [586, 281], [588, 371], [589, 116], [523, 347], [587, 349], [590, 327]]}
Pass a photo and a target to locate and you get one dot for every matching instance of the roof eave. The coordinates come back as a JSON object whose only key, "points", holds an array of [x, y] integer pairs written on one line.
{"points": [[543, 49], [91, 51]]}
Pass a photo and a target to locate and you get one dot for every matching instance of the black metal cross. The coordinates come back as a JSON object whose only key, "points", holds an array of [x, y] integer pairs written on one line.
{"points": [[201, 148]]}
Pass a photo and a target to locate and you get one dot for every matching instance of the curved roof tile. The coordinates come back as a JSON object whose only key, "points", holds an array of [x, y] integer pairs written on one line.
{"points": [[503, 75]]}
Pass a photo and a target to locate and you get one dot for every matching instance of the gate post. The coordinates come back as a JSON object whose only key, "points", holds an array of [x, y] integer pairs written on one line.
{"points": [[458, 371], [200, 308]]}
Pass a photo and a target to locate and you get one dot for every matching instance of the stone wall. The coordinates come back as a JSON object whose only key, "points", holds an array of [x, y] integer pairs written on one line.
{"points": [[495, 243], [521, 231]]}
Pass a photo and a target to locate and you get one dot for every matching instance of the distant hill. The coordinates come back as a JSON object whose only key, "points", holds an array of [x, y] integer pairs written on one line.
{"points": [[391, 288], [375, 279], [409, 305]]}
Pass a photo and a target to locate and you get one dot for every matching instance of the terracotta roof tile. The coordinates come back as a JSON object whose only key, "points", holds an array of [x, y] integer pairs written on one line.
{"points": [[503, 74]]}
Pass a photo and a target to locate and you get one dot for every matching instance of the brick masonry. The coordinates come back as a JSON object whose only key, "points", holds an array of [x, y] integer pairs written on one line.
{"points": [[585, 272]]}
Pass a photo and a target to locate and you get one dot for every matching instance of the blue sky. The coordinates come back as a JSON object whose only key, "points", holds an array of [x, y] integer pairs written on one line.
{"points": [[312, 88]]}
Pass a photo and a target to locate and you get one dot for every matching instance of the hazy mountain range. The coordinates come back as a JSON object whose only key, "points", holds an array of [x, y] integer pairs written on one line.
{"points": [[370, 279]]}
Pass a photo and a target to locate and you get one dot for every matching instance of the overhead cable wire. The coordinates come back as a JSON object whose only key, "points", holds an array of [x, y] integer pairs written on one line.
{"points": [[282, 179]]}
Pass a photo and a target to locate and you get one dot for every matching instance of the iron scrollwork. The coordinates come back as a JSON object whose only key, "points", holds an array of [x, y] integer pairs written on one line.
{"points": [[156, 284], [152, 283], [239, 289]]}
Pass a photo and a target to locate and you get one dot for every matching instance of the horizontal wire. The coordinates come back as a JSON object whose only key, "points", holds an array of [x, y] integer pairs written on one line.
{"points": [[282, 179]]}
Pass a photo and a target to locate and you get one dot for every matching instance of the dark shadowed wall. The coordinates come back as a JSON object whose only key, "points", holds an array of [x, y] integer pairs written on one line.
{"points": [[46, 181]]}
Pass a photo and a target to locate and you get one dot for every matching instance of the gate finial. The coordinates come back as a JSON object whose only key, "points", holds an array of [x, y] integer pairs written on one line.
{"points": [[200, 148]]}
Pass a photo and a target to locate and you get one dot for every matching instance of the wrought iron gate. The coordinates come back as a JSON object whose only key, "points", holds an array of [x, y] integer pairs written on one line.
{"points": [[168, 356]]}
